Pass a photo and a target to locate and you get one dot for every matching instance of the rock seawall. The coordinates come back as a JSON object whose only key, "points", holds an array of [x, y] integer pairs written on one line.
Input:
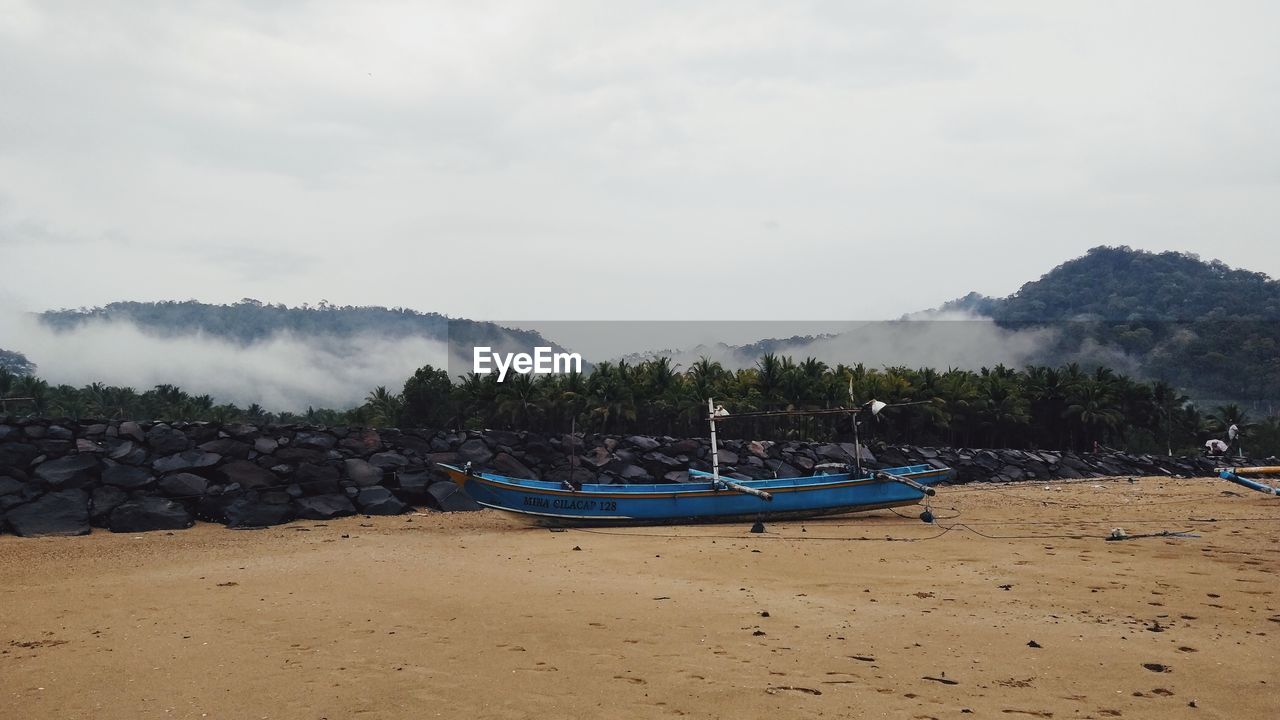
{"points": [[64, 477]]}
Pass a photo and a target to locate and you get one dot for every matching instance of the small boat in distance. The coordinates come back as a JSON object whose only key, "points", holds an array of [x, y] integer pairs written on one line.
{"points": [[708, 497]]}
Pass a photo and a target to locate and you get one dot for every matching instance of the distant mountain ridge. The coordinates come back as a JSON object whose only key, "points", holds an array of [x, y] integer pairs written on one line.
{"points": [[250, 320], [1119, 284], [1203, 326]]}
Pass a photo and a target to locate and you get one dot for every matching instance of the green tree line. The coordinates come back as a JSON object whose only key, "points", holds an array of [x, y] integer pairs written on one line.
{"points": [[1040, 407]]}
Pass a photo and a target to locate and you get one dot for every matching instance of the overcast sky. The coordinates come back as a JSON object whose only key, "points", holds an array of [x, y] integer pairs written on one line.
{"points": [[561, 160]]}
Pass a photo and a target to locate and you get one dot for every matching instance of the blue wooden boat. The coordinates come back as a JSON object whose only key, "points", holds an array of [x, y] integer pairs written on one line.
{"points": [[1234, 475], [705, 499]]}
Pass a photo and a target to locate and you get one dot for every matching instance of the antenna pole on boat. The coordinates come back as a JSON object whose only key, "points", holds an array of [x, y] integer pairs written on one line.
{"points": [[715, 451], [857, 446]]}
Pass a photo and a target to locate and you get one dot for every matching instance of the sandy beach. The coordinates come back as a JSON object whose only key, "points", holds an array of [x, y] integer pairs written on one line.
{"points": [[1019, 610]]}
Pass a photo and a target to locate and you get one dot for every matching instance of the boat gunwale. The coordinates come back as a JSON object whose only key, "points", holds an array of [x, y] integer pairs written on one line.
{"points": [[700, 489]]}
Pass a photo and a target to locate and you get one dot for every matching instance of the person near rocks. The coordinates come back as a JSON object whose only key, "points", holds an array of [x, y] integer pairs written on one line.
{"points": [[1215, 447]]}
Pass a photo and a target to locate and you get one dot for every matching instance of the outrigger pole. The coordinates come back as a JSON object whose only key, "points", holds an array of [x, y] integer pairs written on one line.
{"points": [[717, 482]]}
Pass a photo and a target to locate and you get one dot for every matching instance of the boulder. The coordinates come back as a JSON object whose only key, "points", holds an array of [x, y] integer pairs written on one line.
{"points": [[661, 459], [379, 501], [362, 473], [782, 469], [727, 457], [65, 512], [131, 429], [413, 485], [634, 474], [388, 460], [676, 476], [73, 471], [10, 485], [834, 453], [258, 510], [265, 445], [449, 497], [85, 445], [507, 465], [363, 441], [165, 440], [102, 501], [58, 432], [314, 440], [297, 454], [128, 477], [323, 507], [642, 443], [147, 513], [9, 432], [474, 451], [186, 460], [598, 457], [247, 475], [317, 479], [17, 454], [227, 448], [183, 485]]}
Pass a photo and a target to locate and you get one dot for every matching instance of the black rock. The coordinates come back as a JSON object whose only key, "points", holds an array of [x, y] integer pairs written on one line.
{"points": [[413, 485], [102, 501], [73, 471], [131, 429], [316, 479], [642, 443], [254, 510], [388, 460], [183, 485], [129, 477], [450, 498], [323, 507], [362, 441], [247, 475], [186, 460], [57, 432], [165, 440], [379, 501], [362, 473], [511, 467], [474, 451], [10, 485], [314, 440], [65, 512], [227, 448], [17, 454], [144, 514]]}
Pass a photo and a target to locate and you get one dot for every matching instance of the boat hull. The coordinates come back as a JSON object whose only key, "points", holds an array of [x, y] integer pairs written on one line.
{"points": [[550, 503]]}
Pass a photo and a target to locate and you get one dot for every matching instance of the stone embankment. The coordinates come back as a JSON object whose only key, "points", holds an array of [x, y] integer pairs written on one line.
{"points": [[64, 477]]}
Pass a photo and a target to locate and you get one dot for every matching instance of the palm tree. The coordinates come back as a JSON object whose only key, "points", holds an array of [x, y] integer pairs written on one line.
{"points": [[383, 408], [1094, 412]]}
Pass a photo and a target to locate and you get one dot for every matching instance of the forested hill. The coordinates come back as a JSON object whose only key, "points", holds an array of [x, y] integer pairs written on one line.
{"points": [[1203, 326], [1120, 284], [249, 321]]}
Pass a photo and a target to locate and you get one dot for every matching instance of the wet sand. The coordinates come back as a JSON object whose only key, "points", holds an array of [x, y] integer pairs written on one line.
{"points": [[480, 616]]}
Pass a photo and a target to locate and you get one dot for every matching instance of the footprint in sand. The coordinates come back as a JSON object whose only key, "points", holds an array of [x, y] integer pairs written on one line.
{"points": [[632, 680]]}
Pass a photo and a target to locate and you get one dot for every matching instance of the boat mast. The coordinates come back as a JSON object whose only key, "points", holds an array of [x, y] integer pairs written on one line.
{"points": [[715, 451]]}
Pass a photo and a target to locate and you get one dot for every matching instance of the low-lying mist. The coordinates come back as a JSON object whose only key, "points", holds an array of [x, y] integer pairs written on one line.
{"points": [[283, 372]]}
